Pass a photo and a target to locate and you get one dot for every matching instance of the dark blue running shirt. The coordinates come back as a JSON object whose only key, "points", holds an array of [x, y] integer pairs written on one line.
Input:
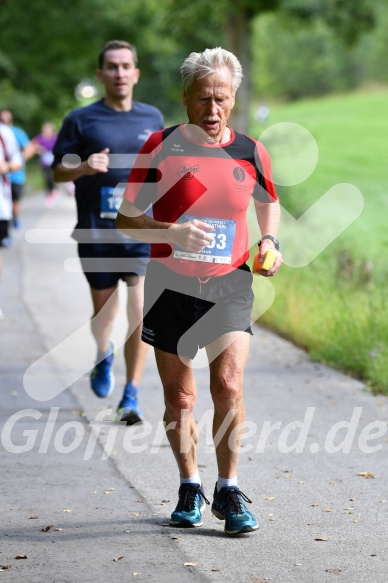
{"points": [[91, 129]]}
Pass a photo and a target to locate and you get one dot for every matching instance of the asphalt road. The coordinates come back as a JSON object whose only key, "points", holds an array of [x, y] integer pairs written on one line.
{"points": [[87, 500]]}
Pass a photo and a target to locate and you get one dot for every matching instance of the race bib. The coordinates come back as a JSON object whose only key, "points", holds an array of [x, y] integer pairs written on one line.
{"points": [[220, 249], [110, 201]]}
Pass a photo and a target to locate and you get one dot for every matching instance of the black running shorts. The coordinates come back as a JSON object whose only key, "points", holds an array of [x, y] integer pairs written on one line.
{"points": [[182, 314], [104, 264], [17, 191]]}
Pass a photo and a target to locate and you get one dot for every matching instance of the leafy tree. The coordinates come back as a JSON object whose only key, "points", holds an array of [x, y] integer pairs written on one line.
{"points": [[47, 48], [347, 18], [51, 46], [295, 60]]}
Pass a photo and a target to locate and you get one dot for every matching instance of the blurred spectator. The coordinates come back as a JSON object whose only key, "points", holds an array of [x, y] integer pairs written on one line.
{"points": [[44, 143], [18, 178], [10, 160]]}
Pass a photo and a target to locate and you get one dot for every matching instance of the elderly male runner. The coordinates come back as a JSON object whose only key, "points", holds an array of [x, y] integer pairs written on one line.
{"points": [[199, 178]]}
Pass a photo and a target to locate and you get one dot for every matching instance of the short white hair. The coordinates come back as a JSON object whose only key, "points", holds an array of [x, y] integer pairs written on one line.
{"points": [[199, 65]]}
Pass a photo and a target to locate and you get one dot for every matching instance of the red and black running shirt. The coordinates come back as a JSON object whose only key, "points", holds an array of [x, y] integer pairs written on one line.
{"points": [[181, 179]]}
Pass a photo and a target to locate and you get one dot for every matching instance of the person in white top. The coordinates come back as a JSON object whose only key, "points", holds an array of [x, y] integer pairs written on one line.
{"points": [[10, 160]]}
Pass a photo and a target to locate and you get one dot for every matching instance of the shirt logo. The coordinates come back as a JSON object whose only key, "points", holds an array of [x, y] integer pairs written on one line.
{"points": [[177, 148], [145, 135], [239, 174], [187, 171]]}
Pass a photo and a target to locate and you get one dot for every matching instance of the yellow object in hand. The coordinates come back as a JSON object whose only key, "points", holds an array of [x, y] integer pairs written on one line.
{"points": [[267, 263]]}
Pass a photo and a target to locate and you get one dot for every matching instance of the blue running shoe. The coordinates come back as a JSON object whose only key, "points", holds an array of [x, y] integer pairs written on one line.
{"points": [[128, 410], [228, 505], [6, 242], [102, 379], [192, 502]]}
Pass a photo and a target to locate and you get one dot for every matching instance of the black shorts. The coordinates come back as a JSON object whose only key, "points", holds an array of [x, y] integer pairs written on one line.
{"points": [[104, 264], [17, 191], [3, 230], [182, 314]]}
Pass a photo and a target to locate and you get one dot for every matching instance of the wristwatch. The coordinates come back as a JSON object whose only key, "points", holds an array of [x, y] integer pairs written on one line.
{"points": [[273, 239]]}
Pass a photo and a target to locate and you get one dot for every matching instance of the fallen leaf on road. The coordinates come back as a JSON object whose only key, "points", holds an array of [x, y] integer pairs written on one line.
{"points": [[328, 510], [136, 574], [189, 564], [321, 538], [118, 558], [21, 557], [33, 517], [366, 474], [67, 510], [215, 569], [270, 498], [58, 529], [333, 570], [47, 528], [5, 567]]}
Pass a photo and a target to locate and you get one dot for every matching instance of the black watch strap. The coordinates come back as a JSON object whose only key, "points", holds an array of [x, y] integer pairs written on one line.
{"points": [[273, 239]]}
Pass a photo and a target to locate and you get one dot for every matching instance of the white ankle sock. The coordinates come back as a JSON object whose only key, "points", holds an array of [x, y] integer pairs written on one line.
{"points": [[195, 479], [222, 482]]}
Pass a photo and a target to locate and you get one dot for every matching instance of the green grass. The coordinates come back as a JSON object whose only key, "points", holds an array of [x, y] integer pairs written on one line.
{"points": [[337, 307]]}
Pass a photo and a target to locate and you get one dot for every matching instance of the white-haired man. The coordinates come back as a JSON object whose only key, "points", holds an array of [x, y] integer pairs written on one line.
{"points": [[199, 178]]}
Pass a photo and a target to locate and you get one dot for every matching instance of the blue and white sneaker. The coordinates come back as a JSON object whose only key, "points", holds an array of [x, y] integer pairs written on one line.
{"points": [[228, 504], [102, 379], [128, 410], [192, 502]]}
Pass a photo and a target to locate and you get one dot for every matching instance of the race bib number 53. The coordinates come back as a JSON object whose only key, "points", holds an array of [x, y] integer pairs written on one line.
{"points": [[220, 249]]}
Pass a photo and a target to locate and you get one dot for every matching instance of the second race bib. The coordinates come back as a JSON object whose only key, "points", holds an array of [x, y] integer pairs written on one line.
{"points": [[110, 201]]}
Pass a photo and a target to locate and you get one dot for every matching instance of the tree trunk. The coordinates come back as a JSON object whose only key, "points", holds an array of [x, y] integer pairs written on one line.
{"points": [[239, 42]]}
